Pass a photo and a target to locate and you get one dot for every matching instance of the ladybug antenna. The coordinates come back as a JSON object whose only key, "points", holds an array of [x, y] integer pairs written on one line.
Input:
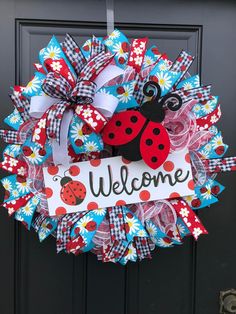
{"points": [[153, 109], [152, 89], [171, 101], [66, 171], [56, 178]]}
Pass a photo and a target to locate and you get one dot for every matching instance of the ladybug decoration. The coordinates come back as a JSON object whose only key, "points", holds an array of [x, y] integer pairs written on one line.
{"points": [[72, 192], [138, 134], [90, 226], [196, 202], [220, 150], [27, 151], [125, 49], [86, 130]]}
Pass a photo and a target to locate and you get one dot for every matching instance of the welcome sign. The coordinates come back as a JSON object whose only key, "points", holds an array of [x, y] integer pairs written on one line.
{"points": [[115, 181]]}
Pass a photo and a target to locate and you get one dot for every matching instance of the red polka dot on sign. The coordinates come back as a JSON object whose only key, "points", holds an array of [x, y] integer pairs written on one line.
{"points": [[174, 195], [144, 195], [60, 211], [191, 185], [187, 157], [126, 161], [168, 166], [120, 203], [74, 170], [92, 205], [52, 170], [48, 192], [95, 162]]}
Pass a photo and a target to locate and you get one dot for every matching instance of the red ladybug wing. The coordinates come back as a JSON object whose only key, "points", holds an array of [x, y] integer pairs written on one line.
{"points": [[78, 189], [73, 193], [154, 145], [123, 127], [67, 195]]}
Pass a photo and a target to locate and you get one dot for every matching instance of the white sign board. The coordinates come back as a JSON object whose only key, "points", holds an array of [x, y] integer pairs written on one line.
{"points": [[114, 181]]}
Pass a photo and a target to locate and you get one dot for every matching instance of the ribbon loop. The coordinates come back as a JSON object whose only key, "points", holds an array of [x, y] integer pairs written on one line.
{"points": [[92, 117], [91, 70], [56, 86], [73, 53], [84, 92], [54, 119]]}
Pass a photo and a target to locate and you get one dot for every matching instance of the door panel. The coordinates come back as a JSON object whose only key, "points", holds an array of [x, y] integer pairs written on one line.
{"points": [[182, 280]]}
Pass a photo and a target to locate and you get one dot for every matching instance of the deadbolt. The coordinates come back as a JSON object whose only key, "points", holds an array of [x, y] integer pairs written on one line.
{"points": [[228, 302]]}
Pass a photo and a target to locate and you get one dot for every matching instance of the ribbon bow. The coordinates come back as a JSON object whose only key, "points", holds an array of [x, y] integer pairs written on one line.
{"points": [[55, 85], [66, 96], [66, 93]]}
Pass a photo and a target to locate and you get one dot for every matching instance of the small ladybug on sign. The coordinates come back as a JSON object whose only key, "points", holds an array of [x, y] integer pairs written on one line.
{"points": [[72, 192], [139, 134]]}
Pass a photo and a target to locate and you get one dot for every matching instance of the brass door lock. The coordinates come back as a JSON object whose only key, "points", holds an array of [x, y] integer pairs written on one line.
{"points": [[228, 302]]}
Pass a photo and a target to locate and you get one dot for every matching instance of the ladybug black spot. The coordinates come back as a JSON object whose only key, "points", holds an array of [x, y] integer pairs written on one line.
{"points": [[154, 159], [133, 119], [156, 131], [161, 146], [118, 123], [128, 131], [111, 135], [149, 141]]}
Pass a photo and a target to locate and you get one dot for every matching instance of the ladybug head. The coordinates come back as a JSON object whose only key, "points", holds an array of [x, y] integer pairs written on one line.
{"points": [[65, 180], [155, 108]]}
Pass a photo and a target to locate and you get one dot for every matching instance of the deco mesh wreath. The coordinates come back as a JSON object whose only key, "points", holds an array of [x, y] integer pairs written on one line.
{"points": [[112, 98]]}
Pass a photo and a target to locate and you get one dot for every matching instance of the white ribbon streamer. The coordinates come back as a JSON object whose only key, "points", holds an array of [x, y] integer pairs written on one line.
{"points": [[60, 150], [101, 102], [108, 74], [40, 104]]}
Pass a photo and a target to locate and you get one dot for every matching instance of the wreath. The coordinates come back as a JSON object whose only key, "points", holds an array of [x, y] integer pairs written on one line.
{"points": [[112, 100]]}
